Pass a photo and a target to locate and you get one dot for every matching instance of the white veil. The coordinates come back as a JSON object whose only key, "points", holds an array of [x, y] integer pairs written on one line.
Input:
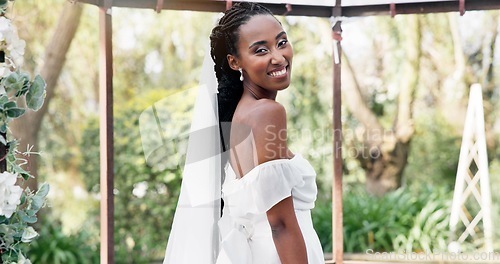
{"points": [[194, 237]]}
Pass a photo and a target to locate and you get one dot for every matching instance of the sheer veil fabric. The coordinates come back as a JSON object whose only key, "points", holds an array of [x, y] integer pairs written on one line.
{"points": [[194, 237]]}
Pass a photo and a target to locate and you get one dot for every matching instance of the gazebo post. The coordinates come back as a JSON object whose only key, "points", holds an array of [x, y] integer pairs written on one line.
{"points": [[106, 133], [337, 215]]}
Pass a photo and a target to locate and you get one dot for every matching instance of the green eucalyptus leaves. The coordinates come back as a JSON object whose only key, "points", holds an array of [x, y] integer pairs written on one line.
{"points": [[17, 90]]}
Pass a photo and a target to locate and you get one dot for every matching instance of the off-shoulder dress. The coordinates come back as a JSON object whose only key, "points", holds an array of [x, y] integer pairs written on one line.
{"points": [[245, 231]]}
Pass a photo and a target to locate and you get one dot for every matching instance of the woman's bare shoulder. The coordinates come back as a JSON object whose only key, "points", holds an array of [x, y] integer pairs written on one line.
{"points": [[267, 111], [269, 131]]}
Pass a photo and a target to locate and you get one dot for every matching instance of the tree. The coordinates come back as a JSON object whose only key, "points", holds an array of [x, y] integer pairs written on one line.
{"points": [[472, 60], [28, 126], [382, 151]]}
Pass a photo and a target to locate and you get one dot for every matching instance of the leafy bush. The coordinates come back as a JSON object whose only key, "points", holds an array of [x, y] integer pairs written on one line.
{"points": [[430, 231], [412, 219], [55, 247], [322, 221]]}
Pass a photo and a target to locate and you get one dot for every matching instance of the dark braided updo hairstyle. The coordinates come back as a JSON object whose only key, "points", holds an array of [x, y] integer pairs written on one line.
{"points": [[223, 41]]}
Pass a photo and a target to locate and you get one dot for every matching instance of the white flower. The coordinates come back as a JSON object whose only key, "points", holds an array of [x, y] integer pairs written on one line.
{"points": [[12, 46], [5, 26], [23, 260], [7, 68], [28, 234], [16, 49], [10, 194], [4, 72]]}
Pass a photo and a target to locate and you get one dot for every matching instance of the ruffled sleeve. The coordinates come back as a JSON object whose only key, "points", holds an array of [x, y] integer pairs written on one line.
{"points": [[267, 184]]}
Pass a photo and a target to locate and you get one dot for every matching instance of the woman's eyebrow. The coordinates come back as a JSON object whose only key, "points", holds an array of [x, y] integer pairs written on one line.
{"points": [[264, 42], [280, 34], [257, 43]]}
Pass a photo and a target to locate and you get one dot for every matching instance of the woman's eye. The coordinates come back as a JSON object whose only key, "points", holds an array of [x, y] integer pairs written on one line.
{"points": [[282, 42], [261, 50]]}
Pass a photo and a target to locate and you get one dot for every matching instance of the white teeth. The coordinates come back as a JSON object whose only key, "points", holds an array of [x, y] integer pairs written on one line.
{"points": [[278, 73]]}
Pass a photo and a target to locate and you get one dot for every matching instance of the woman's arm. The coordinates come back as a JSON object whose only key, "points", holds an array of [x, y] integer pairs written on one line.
{"points": [[271, 143], [287, 236]]}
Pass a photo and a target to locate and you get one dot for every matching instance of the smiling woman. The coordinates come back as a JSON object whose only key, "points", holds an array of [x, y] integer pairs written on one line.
{"points": [[265, 57], [268, 191]]}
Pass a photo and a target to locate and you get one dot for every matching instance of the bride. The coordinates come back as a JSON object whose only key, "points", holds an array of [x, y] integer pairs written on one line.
{"points": [[267, 191]]}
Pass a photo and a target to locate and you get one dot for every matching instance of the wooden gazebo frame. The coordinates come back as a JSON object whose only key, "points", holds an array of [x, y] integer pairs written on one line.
{"points": [[317, 8]]}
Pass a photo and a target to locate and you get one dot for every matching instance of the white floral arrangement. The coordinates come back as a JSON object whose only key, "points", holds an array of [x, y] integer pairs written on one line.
{"points": [[10, 194], [18, 206], [12, 46]]}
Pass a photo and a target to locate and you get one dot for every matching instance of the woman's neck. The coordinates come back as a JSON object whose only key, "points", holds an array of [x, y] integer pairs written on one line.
{"points": [[257, 92]]}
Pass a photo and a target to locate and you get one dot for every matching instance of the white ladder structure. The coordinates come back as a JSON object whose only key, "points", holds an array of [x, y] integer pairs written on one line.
{"points": [[472, 182]]}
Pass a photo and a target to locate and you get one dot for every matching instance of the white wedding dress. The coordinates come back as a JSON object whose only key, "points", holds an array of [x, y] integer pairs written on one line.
{"points": [[244, 228]]}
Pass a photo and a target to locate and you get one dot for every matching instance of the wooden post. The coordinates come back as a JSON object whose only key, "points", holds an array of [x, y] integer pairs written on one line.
{"points": [[3, 154], [3, 148], [337, 214], [106, 133]]}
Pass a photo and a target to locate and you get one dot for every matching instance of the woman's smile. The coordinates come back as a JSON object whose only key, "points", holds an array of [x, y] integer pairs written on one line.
{"points": [[279, 72]]}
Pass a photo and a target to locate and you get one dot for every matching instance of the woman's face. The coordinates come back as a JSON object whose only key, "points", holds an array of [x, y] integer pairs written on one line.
{"points": [[264, 53]]}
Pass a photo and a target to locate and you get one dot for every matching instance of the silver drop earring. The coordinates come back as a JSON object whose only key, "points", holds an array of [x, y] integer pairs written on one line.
{"points": [[241, 72]]}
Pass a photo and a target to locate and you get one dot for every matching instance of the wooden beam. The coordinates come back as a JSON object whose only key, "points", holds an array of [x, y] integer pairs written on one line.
{"points": [[419, 8], [106, 133], [312, 9]]}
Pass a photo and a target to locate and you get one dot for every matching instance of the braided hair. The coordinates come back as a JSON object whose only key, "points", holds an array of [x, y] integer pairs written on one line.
{"points": [[223, 41]]}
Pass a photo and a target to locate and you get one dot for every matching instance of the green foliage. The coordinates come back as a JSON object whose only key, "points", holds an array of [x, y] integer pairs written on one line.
{"points": [[434, 153], [373, 223], [495, 197], [379, 222], [412, 219], [3, 6], [36, 93], [166, 56], [146, 191], [322, 221], [18, 85], [58, 248], [429, 232]]}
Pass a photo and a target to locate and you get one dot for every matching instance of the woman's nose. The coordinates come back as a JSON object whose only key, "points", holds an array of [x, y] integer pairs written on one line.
{"points": [[277, 58]]}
